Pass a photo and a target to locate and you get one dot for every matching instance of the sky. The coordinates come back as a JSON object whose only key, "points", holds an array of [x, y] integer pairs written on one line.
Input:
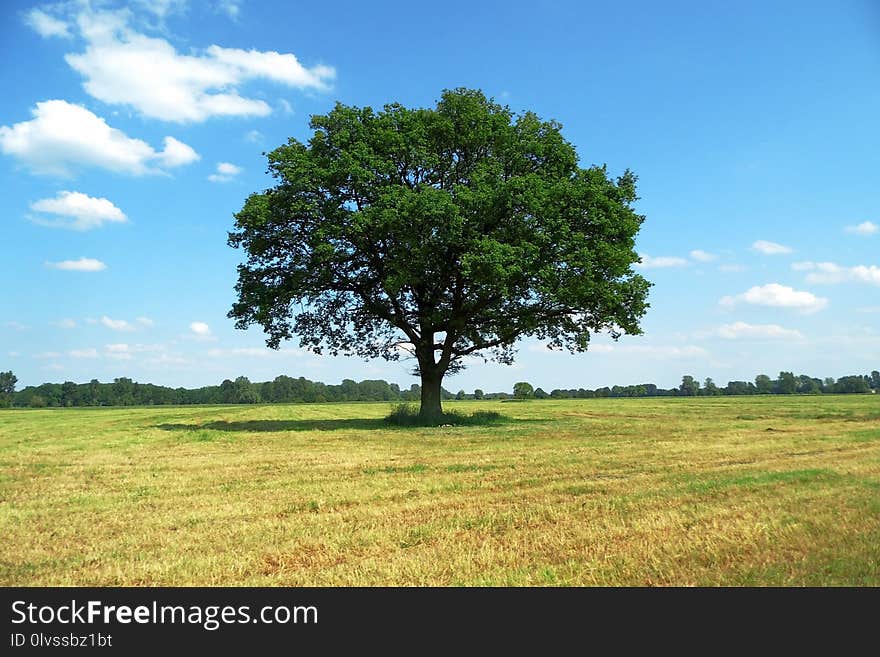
{"points": [[130, 134]]}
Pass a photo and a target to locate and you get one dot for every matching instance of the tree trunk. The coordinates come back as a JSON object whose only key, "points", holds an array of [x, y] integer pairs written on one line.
{"points": [[431, 408]]}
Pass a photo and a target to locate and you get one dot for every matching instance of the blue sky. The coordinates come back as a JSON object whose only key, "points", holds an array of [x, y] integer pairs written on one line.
{"points": [[131, 132]]}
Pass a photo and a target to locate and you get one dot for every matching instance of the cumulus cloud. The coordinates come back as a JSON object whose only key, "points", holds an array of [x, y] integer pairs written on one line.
{"points": [[255, 352], [77, 211], [125, 351], [46, 25], [829, 272], [121, 66], [652, 351], [770, 248], [225, 172], [739, 330], [229, 7], [864, 228], [83, 264], [63, 137], [83, 353], [780, 296], [650, 262], [200, 329], [116, 324], [702, 256]]}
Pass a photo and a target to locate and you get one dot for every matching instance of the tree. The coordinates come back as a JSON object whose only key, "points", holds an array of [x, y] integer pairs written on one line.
{"points": [[786, 384], [478, 394], [875, 380], [689, 386], [444, 233], [763, 384], [710, 389], [540, 393], [7, 387], [523, 390]]}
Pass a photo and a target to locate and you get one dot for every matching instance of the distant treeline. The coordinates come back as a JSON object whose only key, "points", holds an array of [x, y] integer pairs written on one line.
{"points": [[286, 389], [785, 384]]}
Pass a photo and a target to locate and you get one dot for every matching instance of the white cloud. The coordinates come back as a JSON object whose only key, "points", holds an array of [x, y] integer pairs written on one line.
{"points": [[66, 323], [286, 107], [257, 352], [229, 7], [739, 330], [123, 67], [145, 321], [770, 248], [77, 211], [63, 137], [732, 269], [124, 351], [163, 8], [83, 264], [829, 272], [653, 351], [253, 136], [702, 256], [776, 295], [13, 354], [46, 25], [649, 262], [47, 354], [83, 353], [226, 171], [200, 328], [53, 367], [864, 228], [116, 324], [176, 153]]}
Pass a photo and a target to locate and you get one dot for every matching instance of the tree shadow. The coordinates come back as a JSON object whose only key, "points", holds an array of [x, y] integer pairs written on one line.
{"points": [[283, 425]]}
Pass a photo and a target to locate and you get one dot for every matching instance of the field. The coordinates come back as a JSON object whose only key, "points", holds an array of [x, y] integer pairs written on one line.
{"points": [[706, 491]]}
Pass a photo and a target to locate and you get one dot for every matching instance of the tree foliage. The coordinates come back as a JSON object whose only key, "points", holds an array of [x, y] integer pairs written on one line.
{"points": [[440, 233]]}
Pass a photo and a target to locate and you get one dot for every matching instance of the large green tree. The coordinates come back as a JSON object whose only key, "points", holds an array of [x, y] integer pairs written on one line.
{"points": [[7, 387], [440, 233]]}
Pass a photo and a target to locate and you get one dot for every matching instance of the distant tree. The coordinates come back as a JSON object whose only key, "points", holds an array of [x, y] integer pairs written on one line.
{"points": [[875, 380], [851, 384], [828, 384], [68, 393], [689, 386], [807, 385], [461, 394], [740, 388], [478, 394], [7, 388], [764, 384], [540, 393], [244, 391], [710, 389], [448, 231], [523, 390], [786, 384]]}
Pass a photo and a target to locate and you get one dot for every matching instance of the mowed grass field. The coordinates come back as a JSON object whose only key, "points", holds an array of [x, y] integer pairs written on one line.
{"points": [[706, 491]]}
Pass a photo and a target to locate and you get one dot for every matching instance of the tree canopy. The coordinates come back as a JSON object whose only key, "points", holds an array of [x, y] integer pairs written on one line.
{"points": [[437, 233]]}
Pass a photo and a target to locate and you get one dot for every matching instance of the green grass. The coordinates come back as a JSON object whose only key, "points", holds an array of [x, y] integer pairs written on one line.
{"points": [[707, 491]]}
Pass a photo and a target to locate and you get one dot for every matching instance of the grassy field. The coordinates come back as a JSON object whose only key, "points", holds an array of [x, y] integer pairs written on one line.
{"points": [[707, 491]]}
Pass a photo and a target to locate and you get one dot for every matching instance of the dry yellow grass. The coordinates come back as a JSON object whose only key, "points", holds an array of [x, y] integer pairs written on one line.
{"points": [[707, 491]]}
